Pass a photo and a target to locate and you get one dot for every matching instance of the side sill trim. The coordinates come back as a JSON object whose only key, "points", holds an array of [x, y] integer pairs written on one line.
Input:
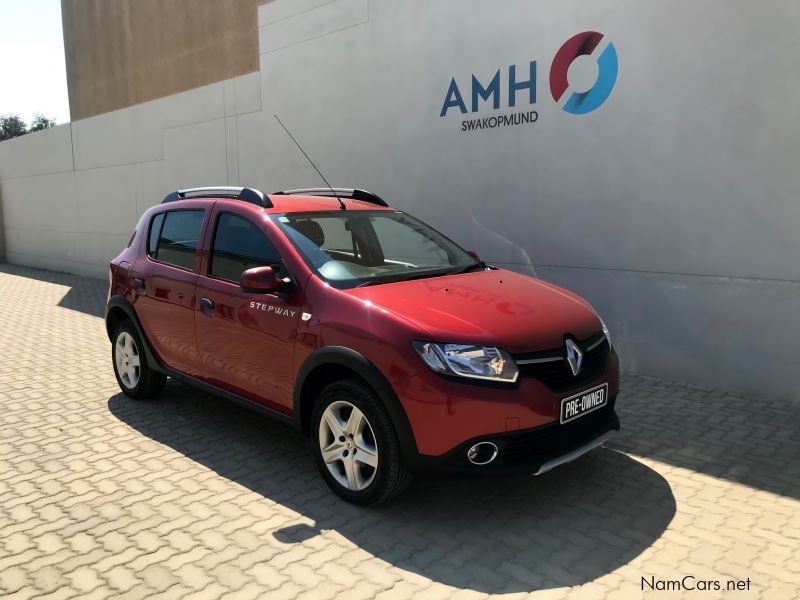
{"points": [[234, 398], [576, 453]]}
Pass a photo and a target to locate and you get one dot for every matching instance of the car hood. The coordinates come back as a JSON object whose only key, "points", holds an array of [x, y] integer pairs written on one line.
{"points": [[498, 307]]}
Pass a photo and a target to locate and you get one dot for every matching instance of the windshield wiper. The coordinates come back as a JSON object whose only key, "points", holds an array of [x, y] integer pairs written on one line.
{"points": [[475, 266], [423, 275], [482, 266]]}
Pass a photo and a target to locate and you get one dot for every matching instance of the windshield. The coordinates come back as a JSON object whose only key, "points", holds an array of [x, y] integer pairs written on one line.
{"points": [[354, 248]]}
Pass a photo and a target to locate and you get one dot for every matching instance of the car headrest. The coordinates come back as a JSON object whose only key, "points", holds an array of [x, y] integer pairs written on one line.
{"points": [[311, 230]]}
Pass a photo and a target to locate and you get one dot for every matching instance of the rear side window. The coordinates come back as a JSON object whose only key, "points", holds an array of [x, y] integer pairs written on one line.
{"points": [[240, 245], [155, 232], [180, 232]]}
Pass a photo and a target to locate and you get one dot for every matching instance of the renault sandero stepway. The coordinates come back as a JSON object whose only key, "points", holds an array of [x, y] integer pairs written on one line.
{"points": [[393, 349]]}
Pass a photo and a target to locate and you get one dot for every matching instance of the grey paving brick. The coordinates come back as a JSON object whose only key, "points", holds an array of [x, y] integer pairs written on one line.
{"points": [[189, 497]]}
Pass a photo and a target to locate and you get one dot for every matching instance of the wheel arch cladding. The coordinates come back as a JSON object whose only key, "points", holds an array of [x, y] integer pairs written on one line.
{"points": [[120, 308], [114, 317], [333, 363]]}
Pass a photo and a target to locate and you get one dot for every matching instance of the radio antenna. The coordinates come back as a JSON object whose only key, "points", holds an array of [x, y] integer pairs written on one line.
{"points": [[308, 158]]}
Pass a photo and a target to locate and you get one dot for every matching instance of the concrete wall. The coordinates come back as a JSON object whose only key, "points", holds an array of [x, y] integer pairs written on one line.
{"points": [[672, 208], [126, 52], [72, 194], [2, 233]]}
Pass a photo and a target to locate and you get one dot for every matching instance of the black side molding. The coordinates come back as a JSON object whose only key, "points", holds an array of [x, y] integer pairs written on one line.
{"points": [[231, 397]]}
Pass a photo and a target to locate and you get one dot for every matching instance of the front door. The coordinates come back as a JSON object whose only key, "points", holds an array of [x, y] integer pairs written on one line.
{"points": [[245, 339]]}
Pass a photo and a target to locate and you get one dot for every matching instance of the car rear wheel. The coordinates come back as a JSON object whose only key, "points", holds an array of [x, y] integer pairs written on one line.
{"points": [[135, 377], [355, 444]]}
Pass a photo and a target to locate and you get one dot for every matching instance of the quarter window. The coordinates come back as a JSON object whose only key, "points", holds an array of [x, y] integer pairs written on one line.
{"points": [[155, 232], [240, 245], [177, 244]]}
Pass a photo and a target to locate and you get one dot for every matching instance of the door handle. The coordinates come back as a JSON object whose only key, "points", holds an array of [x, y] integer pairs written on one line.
{"points": [[207, 305], [138, 283]]}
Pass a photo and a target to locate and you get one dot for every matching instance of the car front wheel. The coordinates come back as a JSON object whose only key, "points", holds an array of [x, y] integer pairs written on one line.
{"points": [[355, 444]]}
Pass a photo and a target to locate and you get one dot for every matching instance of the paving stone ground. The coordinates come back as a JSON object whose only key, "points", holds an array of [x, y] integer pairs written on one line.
{"points": [[189, 497]]}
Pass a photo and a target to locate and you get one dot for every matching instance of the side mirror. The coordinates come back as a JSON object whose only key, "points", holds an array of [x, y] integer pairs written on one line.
{"points": [[261, 280], [474, 255]]}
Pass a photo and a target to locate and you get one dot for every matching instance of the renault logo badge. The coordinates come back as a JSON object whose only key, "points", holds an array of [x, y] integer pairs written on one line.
{"points": [[574, 357]]}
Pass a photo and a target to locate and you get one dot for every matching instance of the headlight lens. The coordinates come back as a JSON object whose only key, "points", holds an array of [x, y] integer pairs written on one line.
{"points": [[467, 360]]}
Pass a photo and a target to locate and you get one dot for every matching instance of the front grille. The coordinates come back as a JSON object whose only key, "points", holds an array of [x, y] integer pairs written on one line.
{"points": [[544, 443], [556, 374]]}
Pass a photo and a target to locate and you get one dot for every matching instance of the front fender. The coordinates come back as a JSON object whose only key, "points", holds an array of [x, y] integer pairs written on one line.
{"points": [[359, 364]]}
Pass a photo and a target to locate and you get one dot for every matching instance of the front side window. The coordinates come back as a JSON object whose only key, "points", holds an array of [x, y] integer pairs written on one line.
{"points": [[354, 248], [180, 232], [239, 245]]}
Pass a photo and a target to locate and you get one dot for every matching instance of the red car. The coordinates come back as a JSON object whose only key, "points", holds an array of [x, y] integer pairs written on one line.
{"points": [[387, 344]]}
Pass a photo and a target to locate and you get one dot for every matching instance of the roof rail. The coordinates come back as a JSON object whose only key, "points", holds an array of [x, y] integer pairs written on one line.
{"points": [[354, 194], [245, 194]]}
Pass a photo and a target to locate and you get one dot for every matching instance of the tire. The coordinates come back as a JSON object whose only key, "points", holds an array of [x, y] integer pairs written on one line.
{"points": [[135, 377], [373, 485]]}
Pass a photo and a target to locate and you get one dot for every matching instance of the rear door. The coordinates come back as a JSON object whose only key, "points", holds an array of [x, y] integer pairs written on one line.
{"points": [[166, 281], [246, 340]]}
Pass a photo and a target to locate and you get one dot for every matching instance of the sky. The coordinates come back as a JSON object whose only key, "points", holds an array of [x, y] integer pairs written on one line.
{"points": [[33, 77]]}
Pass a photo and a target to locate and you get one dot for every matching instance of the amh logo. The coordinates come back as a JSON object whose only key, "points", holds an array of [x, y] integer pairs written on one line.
{"points": [[519, 86], [583, 44], [492, 91]]}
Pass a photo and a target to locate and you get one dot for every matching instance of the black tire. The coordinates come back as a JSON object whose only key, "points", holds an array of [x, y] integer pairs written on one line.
{"points": [[150, 382], [391, 476]]}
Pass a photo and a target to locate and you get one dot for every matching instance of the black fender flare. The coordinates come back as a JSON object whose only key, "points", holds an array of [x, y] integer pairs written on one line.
{"points": [[122, 303], [359, 364]]}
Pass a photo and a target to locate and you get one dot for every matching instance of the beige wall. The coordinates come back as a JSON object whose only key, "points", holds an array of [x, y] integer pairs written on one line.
{"points": [[124, 52]]}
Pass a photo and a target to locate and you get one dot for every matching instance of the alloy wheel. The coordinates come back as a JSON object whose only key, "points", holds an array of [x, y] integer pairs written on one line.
{"points": [[127, 358], [348, 446]]}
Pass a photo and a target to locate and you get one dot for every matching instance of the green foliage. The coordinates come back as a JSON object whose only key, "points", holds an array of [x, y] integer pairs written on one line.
{"points": [[41, 122], [12, 126]]}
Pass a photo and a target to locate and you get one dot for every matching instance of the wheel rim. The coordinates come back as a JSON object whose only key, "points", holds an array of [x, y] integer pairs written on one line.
{"points": [[348, 446], [127, 359]]}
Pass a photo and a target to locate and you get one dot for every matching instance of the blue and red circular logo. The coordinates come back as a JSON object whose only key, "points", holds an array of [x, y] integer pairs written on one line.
{"points": [[584, 44]]}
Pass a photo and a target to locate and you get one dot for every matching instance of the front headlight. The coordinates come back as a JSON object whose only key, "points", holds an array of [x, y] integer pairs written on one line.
{"points": [[467, 360], [605, 330]]}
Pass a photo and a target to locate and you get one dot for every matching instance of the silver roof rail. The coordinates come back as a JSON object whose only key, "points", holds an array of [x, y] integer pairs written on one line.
{"points": [[351, 193], [245, 194]]}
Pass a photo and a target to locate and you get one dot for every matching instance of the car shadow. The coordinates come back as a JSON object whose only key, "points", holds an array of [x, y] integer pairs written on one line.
{"points": [[495, 534], [752, 441]]}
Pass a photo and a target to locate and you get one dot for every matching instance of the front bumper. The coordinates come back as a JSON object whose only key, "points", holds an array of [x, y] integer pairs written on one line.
{"points": [[445, 413], [535, 450]]}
